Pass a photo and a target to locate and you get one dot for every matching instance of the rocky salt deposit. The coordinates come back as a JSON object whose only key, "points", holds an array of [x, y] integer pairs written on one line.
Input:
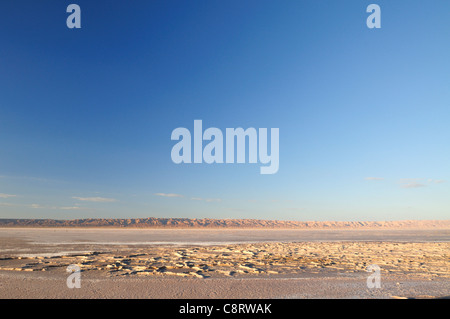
{"points": [[422, 260]]}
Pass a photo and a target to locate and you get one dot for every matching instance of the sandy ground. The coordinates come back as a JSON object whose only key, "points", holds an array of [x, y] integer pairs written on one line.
{"points": [[58, 237], [149, 265], [39, 285]]}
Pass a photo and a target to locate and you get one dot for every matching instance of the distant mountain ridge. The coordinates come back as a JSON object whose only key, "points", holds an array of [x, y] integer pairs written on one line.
{"points": [[153, 222]]}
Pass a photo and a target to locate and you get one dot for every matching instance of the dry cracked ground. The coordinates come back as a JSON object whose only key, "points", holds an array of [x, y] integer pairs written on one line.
{"points": [[421, 260]]}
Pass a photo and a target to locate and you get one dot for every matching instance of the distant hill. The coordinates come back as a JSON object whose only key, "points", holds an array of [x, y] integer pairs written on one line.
{"points": [[153, 222]]}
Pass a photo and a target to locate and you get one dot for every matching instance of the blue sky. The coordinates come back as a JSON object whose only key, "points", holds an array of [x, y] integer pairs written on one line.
{"points": [[86, 114]]}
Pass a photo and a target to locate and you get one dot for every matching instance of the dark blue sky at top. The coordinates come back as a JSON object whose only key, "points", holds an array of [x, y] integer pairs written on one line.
{"points": [[89, 112]]}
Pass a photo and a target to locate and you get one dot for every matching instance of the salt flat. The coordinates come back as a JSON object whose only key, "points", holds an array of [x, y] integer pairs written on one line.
{"points": [[413, 263], [108, 236]]}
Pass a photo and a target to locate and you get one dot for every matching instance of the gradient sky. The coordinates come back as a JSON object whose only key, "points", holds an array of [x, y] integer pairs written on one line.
{"points": [[86, 114]]}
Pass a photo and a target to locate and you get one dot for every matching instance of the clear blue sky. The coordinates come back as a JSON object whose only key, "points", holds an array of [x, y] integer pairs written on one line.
{"points": [[86, 114]]}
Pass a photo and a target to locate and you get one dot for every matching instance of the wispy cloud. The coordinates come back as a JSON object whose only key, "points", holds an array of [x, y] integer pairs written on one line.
{"points": [[2, 195], [212, 200], [9, 204], [172, 195], [409, 180], [168, 195], [96, 199], [31, 178], [209, 200], [412, 182], [419, 182], [413, 185], [39, 206]]}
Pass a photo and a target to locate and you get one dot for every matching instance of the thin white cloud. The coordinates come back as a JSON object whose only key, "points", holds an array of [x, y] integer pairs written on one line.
{"points": [[8, 204], [172, 195], [413, 185], [2, 195], [31, 178], [374, 178], [410, 180], [96, 199], [168, 195], [419, 182], [435, 181], [39, 206], [209, 200], [213, 200]]}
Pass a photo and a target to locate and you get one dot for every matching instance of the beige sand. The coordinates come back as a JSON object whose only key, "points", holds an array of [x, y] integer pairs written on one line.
{"points": [[331, 269]]}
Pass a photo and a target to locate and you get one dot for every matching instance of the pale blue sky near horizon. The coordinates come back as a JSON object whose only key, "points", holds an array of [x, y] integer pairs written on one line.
{"points": [[86, 114]]}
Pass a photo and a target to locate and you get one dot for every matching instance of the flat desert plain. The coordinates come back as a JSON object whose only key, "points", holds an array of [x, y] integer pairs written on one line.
{"points": [[224, 263]]}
